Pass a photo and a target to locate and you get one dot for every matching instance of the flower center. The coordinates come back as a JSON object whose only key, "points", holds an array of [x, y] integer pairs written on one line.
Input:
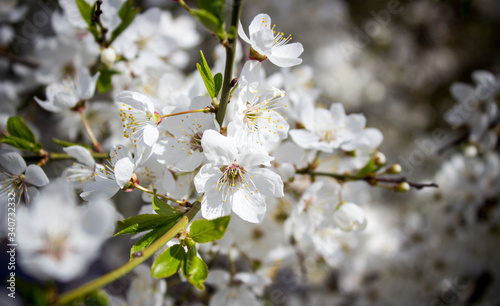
{"points": [[231, 177], [195, 142]]}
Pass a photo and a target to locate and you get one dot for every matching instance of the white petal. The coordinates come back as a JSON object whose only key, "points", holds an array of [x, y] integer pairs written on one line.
{"points": [[242, 34], [258, 23], [124, 169], [150, 134], [135, 100], [254, 159], [64, 100], [12, 162], [36, 176], [284, 61], [212, 205], [267, 182], [102, 189], [168, 181], [85, 84], [47, 105], [206, 173], [350, 217], [303, 138], [81, 154], [249, 207], [289, 50], [218, 149]]}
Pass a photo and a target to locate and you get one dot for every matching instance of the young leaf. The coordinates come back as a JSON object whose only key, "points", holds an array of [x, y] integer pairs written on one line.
{"points": [[65, 144], [162, 208], [194, 268], [206, 18], [127, 14], [368, 168], [203, 231], [169, 262], [104, 81], [21, 144], [141, 223], [18, 128], [85, 10], [206, 75], [217, 84]]}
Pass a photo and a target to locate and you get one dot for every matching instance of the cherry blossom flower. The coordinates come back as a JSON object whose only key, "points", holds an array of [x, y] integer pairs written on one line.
{"points": [[116, 174], [59, 239], [139, 118], [81, 172], [233, 180], [267, 44], [18, 178], [69, 94], [350, 217], [256, 121]]}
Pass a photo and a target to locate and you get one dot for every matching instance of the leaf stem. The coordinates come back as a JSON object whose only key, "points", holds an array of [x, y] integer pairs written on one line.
{"points": [[129, 266], [160, 195], [228, 71], [184, 5], [95, 143], [207, 109]]}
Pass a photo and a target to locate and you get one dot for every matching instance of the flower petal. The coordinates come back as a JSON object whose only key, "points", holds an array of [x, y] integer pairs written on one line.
{"points": [[12, 162], [81, 154], [260, 21], [249, 207], [99, 189], [218, 149], [35, 176], [284, 61], [267, 182], [124, 169], [212, 205], [150, 134], [289, 50]]}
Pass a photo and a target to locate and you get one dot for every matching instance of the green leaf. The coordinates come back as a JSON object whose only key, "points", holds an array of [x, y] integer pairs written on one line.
{"points": [[169, 262], [98, 298], [65, 144], [217, 84], [206, 75], [368, 168], [127, 14], [21, 144], [18, 128], [232, 33], [162, 208], [141, 223], [195, 269], [85, 10], [104, 82], [209, 20], [150, 238], [216, 7], [203, 231]]}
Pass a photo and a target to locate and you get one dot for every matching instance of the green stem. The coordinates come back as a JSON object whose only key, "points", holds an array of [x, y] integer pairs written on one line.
{"points": [[129, 266], [228, 71], [184, 5], [160, 195], [203, 110]]}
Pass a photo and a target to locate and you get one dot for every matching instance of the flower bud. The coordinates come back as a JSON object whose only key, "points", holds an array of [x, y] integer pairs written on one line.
{"points": [[350, 217], [402, 187], [470, 151], [394, 169], [380, 159], [108, 56]]}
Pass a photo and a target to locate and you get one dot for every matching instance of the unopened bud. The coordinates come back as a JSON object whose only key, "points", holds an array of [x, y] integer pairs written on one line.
{"points": [[470, 151], [108, 56], [380, 159], [394, 169], [402, 187]]}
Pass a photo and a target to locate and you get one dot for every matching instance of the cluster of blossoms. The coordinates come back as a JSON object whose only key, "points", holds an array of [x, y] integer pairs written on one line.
{"points": [[295, 174]]}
